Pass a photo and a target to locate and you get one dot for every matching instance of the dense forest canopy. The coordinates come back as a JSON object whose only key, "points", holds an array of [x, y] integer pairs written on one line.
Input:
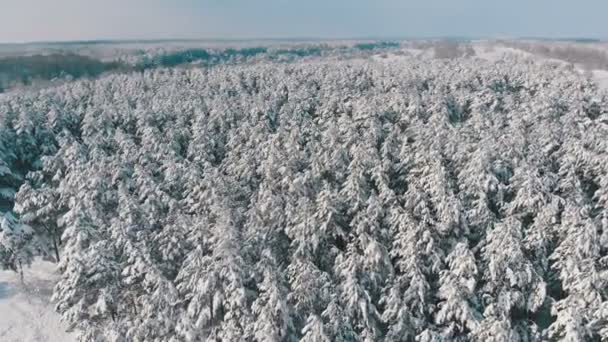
{"points": [[353, 200]]}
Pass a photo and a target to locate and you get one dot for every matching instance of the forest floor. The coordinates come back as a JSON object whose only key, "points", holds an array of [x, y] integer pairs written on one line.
{"points": [[26, 314]]}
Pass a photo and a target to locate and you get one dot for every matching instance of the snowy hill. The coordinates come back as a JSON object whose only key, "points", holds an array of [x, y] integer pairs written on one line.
{"points": [[25, 311]]}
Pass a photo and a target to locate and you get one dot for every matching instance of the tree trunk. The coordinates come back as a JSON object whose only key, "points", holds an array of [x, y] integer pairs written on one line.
{"points": [[55, 245], [21, 273]]}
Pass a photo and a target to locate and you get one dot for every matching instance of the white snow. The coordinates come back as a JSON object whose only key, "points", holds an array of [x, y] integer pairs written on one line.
{"points": [[601, 77], [26, 314], [493, 53]]}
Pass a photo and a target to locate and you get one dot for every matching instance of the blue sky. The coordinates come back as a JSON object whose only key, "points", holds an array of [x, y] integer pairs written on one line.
{"points": [[41, 20]]}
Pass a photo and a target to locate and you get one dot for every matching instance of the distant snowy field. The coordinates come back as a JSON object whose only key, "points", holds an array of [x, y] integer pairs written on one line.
{"points": [[26, 314]]}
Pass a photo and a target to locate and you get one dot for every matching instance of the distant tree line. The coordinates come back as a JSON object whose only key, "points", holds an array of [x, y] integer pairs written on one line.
{"points": [[16, 71], [26, 70]]}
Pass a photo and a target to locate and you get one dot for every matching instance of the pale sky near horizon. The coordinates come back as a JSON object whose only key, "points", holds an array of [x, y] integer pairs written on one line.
{"points": [[60, 20]]}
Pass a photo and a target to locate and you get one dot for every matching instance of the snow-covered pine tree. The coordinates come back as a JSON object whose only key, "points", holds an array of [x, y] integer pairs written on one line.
{"points": [[273, 314], [458, 308], [16, 248], [216, 301], [513, 291], [314, 331]]}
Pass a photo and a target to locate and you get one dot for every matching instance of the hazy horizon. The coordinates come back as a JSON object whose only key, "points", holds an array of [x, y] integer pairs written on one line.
{"points": [[23, 21], [294, 39]]}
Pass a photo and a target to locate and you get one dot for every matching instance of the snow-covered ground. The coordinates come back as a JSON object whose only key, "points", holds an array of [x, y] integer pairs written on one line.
{"points": [[26, 314], [494, 53], [601, 77]]}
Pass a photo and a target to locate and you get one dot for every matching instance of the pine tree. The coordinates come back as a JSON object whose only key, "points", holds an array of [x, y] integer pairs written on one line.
{"points": [[16, 249], [213, 285], [313, 331], [582, 278], [458, 310], [513, 290], [273, 314]]}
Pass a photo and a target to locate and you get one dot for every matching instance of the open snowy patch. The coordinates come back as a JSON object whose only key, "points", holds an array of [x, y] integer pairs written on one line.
{"points": [[601, 77], [26, 314], [494, 53]]}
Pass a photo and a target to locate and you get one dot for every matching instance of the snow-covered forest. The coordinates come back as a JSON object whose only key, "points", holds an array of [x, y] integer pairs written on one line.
{"points": [[355, 199]]}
